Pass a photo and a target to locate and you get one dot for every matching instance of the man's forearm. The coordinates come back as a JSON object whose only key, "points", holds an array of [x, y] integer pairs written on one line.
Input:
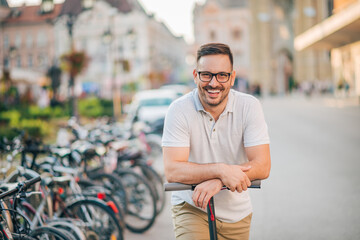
{"points": [[192, 173]]}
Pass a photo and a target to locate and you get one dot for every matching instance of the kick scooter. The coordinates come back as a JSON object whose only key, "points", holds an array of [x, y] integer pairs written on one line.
{"points": [[210, 206]]}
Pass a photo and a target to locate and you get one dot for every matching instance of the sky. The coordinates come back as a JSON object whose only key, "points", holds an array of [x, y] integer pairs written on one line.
{"points": [[176, 14]]}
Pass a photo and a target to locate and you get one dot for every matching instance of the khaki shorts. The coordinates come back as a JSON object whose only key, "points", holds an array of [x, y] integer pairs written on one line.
{"points": [[191, 223]]}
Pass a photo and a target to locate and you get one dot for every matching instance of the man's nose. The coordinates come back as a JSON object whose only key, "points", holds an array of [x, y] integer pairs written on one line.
{"points": [[213, 81]]}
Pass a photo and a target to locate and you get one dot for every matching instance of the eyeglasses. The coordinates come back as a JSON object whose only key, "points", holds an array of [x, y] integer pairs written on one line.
{"points": [[221, 77]]}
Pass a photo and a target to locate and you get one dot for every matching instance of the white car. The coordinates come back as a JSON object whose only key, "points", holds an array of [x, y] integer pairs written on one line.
{"points": [[151, 105]]}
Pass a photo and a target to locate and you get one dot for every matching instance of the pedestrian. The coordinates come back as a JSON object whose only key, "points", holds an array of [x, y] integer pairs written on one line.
{"points": [[214, 136]]}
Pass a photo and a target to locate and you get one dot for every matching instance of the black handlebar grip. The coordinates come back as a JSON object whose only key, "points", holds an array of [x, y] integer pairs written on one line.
{"points": [[255, 184], [181, 186], [32, 181], [178, 187]]}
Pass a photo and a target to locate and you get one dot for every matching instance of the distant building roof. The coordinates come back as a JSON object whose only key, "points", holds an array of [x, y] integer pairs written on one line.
{"points": [[31, 14]]}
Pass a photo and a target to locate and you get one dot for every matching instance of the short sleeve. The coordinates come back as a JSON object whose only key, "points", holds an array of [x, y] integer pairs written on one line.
{"points": [[255, 127], [176, 131]]}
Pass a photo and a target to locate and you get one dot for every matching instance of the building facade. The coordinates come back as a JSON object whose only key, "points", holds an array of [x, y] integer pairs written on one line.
{"points": [[260, 35], [312, 66], [339, 34], [226, 22], [27, 42], [125, 45]]}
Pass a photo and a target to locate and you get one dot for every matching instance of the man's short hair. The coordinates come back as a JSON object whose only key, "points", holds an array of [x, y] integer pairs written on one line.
{"points": [[214, 49]]}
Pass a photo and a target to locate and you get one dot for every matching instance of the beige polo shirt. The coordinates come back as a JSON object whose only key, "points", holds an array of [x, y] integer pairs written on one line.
{"points": [[241, 125]]}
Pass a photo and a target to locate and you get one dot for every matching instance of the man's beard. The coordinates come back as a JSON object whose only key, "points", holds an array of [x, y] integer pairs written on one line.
{"points": [[205, 99]]}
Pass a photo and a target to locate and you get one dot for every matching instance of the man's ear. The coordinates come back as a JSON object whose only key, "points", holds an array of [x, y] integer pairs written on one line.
{"points": [[195, 75], [232, 78]]}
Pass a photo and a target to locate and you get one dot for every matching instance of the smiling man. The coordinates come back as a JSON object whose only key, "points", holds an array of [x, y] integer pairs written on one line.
{"points": [[214, 136]]}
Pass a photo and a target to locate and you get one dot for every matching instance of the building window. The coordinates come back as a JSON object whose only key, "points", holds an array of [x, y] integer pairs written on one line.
{"points": [[18, 40], [6, 42], [6, 62], [29, 41], [41, 39], [212, 35], [30, 60], [42, 60], [18, 61], [236, 34]]}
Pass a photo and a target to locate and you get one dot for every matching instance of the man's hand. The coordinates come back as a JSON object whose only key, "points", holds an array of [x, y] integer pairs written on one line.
{"points": [[205, 190], [234, 177]]}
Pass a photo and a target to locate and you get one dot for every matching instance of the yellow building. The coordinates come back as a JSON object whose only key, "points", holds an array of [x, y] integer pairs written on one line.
{"points": [[340, 34]]}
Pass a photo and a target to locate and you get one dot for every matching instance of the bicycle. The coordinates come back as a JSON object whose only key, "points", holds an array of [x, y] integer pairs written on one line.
{"points": [[14, 225], [210, 206]]}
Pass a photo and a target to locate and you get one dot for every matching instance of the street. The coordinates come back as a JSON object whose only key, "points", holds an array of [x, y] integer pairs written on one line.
{"points": [[312, 191]]}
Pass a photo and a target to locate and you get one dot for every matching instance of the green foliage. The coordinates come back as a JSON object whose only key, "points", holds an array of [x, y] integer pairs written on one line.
{"points": [[35, 127], [47, 113], [11, 117], [95, 107], [107, 107], [59, 112], [90, 107], [37, 112], [9, 133], [35, 120], [130, 87], [30, 121]]}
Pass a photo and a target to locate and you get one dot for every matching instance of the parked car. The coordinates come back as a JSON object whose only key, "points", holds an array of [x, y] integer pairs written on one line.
{"points": [[180, 89], [150, 106]]}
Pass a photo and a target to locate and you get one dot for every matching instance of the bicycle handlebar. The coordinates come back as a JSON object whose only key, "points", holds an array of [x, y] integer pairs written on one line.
{"points": [[181, 186], [21, 186]]}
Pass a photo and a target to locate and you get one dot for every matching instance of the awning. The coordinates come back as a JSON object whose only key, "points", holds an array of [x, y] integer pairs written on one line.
{"points": [[338, 30], [31, 77]]}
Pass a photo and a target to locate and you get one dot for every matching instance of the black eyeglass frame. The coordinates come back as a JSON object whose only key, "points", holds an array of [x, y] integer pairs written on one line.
{"points": [[214, 74]]}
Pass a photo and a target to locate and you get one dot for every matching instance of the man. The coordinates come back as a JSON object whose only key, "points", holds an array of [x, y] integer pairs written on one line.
{"points": [[214, 136]]}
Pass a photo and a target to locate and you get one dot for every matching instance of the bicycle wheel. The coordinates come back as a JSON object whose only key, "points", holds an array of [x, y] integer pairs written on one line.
{"points": [[141, 206], [49, 233], [97, 216], [155, 156], [70, 226], [157, 185], [21, 237], [93, 191], [113, 183]]}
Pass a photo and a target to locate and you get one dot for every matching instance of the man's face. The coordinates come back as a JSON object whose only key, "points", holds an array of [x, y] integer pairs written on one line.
{"points": [[213, 93]]}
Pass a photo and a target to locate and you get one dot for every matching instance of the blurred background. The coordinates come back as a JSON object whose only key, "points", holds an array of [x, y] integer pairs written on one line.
{"points": [[53, 52], [95, 58]]}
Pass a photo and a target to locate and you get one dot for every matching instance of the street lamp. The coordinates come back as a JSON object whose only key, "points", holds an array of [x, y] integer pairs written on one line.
{"points": [[107, 39], [73, 103], [6, 77], [71, 18]]}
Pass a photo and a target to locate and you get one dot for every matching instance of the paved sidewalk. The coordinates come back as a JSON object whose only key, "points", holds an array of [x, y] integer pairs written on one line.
{"points": [[162, 228], [313, 190]]}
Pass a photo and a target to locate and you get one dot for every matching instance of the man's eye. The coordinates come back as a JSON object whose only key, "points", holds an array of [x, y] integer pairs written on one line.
{"points": [[223, 74], [206, 75]]}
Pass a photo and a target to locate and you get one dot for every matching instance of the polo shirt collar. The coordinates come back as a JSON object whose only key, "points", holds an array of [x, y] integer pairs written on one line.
{"points": [[199, 107]]}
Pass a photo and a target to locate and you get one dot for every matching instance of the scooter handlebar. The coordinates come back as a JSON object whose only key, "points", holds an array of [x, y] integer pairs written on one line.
{"points": [[181, 186]]}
